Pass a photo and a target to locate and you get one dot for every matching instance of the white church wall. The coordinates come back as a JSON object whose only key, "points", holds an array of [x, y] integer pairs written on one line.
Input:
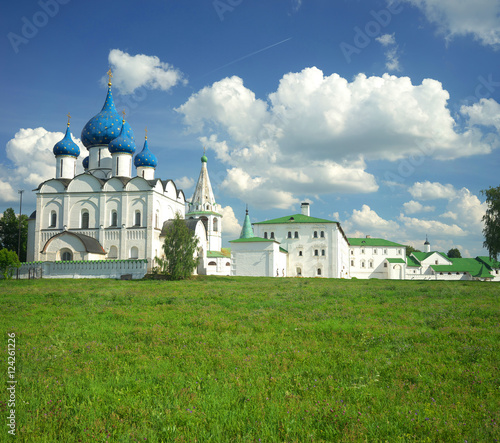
{"points": [[252, 259], [368, 261]]}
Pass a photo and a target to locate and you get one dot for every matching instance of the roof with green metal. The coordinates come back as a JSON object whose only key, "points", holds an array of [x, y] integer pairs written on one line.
{"points": [[296, 218], [217, 254], [372, 242], [412, 262], [470, 265], [283, 250], [395, 260], [420, 256], [493, 264], [246, 230]]}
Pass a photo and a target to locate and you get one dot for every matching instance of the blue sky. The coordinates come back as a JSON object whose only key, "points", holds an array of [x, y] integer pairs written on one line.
{"points": [[383, 115]]}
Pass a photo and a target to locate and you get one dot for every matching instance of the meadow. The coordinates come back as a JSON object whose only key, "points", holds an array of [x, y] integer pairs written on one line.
{"points": [[223, 359]]}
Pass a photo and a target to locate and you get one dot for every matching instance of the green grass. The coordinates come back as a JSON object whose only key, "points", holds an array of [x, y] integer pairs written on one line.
{"points": [[253, 359]]}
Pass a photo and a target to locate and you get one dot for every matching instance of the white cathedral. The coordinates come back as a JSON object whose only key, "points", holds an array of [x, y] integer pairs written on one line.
{"points": [[110, 217], [110, 223]]}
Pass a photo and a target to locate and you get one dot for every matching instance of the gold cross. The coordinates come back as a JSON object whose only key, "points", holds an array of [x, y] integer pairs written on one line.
{"points": [[110, 74], [204, 149], [146, 129], [123, 112], [69, 117]]}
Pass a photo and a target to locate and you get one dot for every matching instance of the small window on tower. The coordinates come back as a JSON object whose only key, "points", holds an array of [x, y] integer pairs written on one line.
{"points": [[85, 219], [216, 225], [137, 218], [53, 219], [114, 218], [265, 234]]}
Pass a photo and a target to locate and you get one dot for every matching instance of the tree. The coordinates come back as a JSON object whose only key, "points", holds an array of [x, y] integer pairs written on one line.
{"points": [[179, 249], [8, 261], [9, 232], [410, 249], [454, 253], [491, 219]]}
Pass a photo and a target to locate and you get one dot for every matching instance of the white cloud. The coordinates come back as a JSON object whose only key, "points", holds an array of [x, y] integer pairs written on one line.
{"points": [[430, 191], [7, 193], [449, 214], [413, 207], [431, 227], [484, 113], [479, 18], [230, 225], [184, 183], [392, 56], [131, 72], [368, 222], [307, 136]]}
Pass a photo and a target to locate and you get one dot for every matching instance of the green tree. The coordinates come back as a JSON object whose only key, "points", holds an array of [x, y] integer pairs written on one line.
{"points": [[179, 249], [410, 249], [8, 261], [9, 232], [454, 253], [491, 219]]}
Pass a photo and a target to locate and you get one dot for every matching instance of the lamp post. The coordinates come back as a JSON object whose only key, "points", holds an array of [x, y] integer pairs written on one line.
{"points": [[19, 237]]}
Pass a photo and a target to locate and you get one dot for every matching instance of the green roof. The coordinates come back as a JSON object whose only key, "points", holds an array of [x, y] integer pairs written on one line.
{"points": [[296, 218], [420, 256], [283, 250], [221, 253], [412, 262], [493, 264], [247, 231], [395, 260], [252, 239], [372, 242], [470, 265]]}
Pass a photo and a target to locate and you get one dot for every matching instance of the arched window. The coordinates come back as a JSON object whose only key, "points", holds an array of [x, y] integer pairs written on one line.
{"points": [[137, 218], [296, 234], [315, 234], [299, 272], [289, 234], [134, 252], [319, 271], [113, 253], [212, 263], [228, 264], [117, 164], [265, 234], [53, 219], [62, 175], [85, 219], [216, 225], [272, 234], [323, 252], [352, 262], [322, 234], [205, 222], [370, 264], [375, 250], [316, 252], [66, 255], [157, 219], [114, 218], [362, 263]]}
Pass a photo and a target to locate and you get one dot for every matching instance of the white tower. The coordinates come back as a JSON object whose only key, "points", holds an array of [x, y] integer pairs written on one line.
{"points": [[427, 245], [204, 207]]}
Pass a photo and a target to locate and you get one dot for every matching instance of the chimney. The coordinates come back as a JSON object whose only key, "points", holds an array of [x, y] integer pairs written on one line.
{"points": [[305, 209]]}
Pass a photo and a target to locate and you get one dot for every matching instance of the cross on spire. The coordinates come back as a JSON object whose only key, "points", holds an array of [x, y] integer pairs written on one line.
{"points": [[69, 117], [146, 130], [123, 113], [110, 74]]}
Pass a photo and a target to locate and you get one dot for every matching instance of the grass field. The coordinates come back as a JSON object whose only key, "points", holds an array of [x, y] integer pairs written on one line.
{"points": [[253, 360]]}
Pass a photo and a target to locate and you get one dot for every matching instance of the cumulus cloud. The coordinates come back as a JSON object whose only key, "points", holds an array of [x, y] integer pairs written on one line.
{"points": [[391, 54], [368, 222], [230, 225], [7, 193], [484, 113], [131, 72], [413, 207], [479, 18], [307, 137], [184, 183], [433, 227], [431, 191]]}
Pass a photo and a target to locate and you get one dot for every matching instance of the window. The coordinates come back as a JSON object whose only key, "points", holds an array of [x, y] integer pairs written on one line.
{"points": [[137, 218], [205, 222], [66, 255], [370, 264], [375, 250], [85, 219], [352, 262], [385, 265], [53, 219], [362, 251], [385, 251], [399, 251], [319, 271], [157, 219], [289, 234], [322, 234], [299, 272], [272, 234], [323, 252], [134, 252], [300, 253], [265, 234], [216, 225], [352, 252], [114, 218], [362, 263], [315, 234], [143, 173], [435, 262], [99, 158], [62, 175], [212, 263], [228, 264], [113, 253], [296, 234], [117, 164], [316, 252]]}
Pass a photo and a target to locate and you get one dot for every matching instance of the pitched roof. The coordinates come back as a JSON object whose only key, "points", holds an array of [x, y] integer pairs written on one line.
{"points": [[372, 242], [420, 256], [90, 244], [296, 218], [412, 262], [253, 239], [493, 264], [470, 265], [224, 252], [395, 260]]}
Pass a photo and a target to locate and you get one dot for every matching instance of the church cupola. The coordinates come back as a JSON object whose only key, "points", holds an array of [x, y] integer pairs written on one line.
{"points": [[122, 148], [85, 163], [247, 230], [146, 162], [427, 245], [99, 131], [66, 152]]}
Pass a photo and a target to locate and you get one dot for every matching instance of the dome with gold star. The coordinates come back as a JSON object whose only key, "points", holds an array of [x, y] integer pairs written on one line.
{"points": [[125, 142], [66, 146], [145, 158]]}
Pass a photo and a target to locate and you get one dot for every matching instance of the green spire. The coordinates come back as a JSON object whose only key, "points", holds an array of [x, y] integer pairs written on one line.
{"points": [[247, 231]]}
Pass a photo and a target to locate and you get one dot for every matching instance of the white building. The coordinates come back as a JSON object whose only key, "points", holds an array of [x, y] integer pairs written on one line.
{"points": [[106, 213]]}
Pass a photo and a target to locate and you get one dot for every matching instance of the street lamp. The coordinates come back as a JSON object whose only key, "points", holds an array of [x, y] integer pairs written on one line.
{"points": [[19, 237]]}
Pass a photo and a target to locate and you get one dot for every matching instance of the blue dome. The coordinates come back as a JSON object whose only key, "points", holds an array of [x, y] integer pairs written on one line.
{"points": [[86, 162], [105, 126], [67, 146], [125, 142], [146, 158]]}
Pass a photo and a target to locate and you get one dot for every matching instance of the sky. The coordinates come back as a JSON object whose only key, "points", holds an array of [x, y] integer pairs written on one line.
{"points": [[383, 115]]}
